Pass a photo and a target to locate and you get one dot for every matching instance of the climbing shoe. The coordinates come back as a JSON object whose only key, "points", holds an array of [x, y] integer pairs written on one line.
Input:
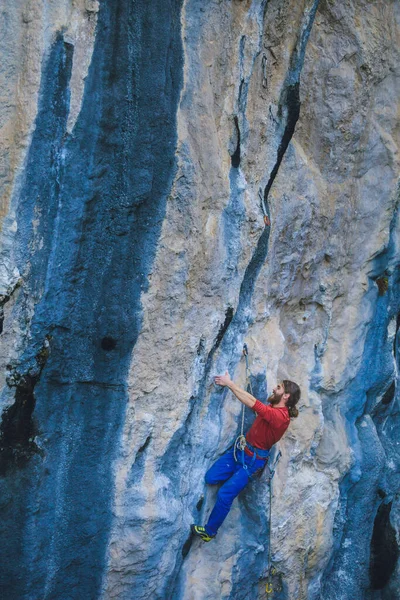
{"points": [[201, 533]]}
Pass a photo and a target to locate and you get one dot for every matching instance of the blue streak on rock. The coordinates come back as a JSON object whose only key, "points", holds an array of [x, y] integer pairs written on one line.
{"points": [[102, 196], [38, 195], [233, 217], [360, 489], [352, 553]]}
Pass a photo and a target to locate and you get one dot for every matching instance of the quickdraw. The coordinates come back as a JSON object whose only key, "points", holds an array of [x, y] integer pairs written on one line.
{"points": [[267, 220]]}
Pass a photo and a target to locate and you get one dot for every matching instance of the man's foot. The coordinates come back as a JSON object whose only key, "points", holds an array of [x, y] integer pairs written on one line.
{"points": [[201, 533]]}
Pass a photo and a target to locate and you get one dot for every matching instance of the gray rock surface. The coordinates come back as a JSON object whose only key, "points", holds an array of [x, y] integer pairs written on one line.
{"points": [[139, 143]]}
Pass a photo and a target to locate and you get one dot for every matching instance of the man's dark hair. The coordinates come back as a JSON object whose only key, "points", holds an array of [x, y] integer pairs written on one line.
{"points": [[293, 390]]}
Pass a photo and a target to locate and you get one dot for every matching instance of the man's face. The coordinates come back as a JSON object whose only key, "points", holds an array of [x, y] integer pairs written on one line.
{"points": [[277, 394]]}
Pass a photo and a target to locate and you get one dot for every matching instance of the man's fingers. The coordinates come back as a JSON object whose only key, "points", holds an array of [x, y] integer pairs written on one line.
{"points": [[222, 379]]}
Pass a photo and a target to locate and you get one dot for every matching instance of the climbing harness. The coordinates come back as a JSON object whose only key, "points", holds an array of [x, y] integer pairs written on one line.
{"points": [[267, 220], [240, 442], [271, 571]]}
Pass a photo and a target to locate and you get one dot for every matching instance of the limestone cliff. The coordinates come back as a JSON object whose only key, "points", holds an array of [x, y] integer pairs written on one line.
{"points": [[142, 143]]}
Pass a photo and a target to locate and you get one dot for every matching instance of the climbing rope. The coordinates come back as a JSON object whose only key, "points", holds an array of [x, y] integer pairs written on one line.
{"points": [[271, 570], [240, 442]]}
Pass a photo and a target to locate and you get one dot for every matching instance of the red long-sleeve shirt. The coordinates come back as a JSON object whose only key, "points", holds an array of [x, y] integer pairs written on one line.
{"points": [[269, 426]]}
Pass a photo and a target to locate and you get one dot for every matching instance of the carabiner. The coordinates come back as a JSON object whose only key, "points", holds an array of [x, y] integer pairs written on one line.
{"points": [[269, 588]]}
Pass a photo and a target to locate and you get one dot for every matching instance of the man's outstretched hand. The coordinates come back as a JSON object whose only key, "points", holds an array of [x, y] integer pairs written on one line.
{"points": [[223, 379], [240, 394]]}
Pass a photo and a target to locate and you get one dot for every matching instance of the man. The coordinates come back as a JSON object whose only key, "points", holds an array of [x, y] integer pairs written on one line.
{"points": [[236, 466]]}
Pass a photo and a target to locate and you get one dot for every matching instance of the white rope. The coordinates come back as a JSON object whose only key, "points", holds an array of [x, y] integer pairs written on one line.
{"points": [[240, 442]]}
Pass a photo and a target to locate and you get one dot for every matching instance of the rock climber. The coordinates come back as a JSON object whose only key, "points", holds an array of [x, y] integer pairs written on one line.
{"points": [[235, 468]]}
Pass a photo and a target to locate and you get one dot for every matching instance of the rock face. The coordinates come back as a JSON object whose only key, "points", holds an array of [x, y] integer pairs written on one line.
{"points": [[142, 143]]}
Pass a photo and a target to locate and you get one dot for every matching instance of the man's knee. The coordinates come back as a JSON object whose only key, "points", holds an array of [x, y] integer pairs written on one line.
{"points": [[209, 478], [228, 492], [225, 497]]}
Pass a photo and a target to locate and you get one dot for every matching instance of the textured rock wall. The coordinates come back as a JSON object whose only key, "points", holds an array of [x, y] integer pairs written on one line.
{"points": [[139, 141]]}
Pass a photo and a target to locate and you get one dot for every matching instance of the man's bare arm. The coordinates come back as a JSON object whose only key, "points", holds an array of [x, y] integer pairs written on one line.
{"points": [[240, 394]]}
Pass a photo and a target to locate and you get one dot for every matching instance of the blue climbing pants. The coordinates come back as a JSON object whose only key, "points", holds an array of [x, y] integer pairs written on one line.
{"points": [[236, 477]]}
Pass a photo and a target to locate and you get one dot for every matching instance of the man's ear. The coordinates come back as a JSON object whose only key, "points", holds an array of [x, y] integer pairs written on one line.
{"points": [[286, 397]]}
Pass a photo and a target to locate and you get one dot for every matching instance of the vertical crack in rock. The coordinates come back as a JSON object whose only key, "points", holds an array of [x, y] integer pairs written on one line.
{"points": [[388, 396], [207, 367], [290, 100], [234, 213], [184, 434], [384, 548], [235, 158], [221, 333], [89, 217], [144, 446], [241, 105], [289, 103], [289, 111]]}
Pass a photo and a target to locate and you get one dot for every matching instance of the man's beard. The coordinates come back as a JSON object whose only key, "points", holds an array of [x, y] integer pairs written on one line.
{"points": [[274, 399]]}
